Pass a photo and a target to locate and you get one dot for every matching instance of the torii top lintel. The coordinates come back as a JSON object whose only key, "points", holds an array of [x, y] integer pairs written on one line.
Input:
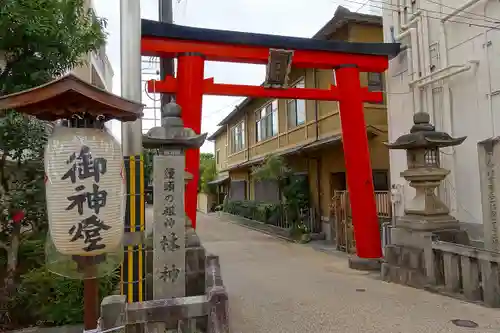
{"points": [[168, 40]]}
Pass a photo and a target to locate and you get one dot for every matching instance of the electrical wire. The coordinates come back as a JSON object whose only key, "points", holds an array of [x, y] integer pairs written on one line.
{"points": [[362, 6], [481, 18], [467, 12], [400, 8], [429, 16]]}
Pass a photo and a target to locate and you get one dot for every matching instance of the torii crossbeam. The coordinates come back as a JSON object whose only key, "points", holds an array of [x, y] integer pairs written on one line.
{"points": [[193, 46]]}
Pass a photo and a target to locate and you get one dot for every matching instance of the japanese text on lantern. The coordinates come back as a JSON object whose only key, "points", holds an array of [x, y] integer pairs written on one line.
{"points": [[82, 167], [169, 242]]}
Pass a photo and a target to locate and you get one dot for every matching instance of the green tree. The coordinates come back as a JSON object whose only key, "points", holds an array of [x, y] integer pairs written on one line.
{"points": [[43, 39], [294, 191], [275, 169], [39, 41], [208, 172]]}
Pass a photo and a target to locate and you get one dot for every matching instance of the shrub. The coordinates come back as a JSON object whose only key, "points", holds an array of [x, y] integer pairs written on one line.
{"points": [[254, 210], [51, 300]]}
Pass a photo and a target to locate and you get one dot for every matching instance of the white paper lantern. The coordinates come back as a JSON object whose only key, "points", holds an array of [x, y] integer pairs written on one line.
{"points": [[85, 191]]}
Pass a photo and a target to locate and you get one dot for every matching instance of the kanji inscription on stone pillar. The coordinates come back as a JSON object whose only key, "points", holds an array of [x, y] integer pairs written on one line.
{"points": [[169, 228]]}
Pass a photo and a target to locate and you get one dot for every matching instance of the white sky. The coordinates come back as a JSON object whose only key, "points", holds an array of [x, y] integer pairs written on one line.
{"points": [[299, 18]]}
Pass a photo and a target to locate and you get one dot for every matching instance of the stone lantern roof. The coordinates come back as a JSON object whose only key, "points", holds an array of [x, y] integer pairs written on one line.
{"points": [[424, 135], [172, 133]]}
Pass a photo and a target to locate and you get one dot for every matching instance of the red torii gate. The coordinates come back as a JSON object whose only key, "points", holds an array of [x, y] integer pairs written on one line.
{"points": [[193, 46]]}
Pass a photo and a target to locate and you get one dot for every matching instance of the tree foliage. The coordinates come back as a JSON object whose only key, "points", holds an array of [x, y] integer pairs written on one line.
{"points": [[272, 168], [39, 41], [294, 190], [44, 39], [208, 172]]}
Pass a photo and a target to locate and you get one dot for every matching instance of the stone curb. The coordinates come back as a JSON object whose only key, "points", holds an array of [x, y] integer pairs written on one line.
{"points": [[221, 215]]}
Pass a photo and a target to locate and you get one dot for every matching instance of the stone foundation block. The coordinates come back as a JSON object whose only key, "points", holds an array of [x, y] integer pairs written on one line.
{"points": [[195, 271], [392, 254], [403, 275], [363, 264]]}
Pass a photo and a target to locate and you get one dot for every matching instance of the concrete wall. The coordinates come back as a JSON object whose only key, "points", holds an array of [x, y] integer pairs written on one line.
{"points": [[462, 105]]}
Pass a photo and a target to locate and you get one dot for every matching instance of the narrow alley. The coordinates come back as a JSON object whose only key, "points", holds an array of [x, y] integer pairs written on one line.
{"points": [[277, 286]]}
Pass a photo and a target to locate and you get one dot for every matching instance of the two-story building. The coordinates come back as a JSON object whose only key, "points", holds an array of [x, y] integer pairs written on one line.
{"points": [[306, 133]]}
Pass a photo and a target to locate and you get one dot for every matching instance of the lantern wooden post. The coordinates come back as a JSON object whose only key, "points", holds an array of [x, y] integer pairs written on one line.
{"points": [[96, 235]]}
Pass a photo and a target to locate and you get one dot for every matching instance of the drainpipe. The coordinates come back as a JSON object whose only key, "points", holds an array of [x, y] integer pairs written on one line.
{"points": [[459, 10], [433, 74], [413, 19], [413, 60], [424, 25], [420, 19], [461, 69]]}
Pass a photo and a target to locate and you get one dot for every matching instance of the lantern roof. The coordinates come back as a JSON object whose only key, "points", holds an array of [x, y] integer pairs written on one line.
{"points": [[424, 135], [172, 133], [69, 95]]}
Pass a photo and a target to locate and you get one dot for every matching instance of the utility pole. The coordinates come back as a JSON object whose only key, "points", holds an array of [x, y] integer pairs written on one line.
{"points": [[166, 64], [133, 270]]}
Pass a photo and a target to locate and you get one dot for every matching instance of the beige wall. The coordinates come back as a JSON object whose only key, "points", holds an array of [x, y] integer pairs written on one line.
{"points": [[205, 202], [221, 146]]}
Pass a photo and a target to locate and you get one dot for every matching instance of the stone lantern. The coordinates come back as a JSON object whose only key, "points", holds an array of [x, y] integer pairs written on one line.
{"points": [[409, 257], [178, 254], [425, 211]]}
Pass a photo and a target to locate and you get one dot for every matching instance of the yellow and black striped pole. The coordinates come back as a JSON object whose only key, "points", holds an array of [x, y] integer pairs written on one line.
{"points": [[133, 273]]}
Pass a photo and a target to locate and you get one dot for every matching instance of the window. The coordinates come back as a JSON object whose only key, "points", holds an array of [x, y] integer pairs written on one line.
{"points": [[375, 83], [266, 125], [217, 157], [238, 137], [381, 180], [296, 109], [238, 190]]}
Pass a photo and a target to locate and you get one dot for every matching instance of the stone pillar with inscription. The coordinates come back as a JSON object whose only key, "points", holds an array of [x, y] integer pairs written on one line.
{"points": [[489, 172], [409, 257], [169, 230]]}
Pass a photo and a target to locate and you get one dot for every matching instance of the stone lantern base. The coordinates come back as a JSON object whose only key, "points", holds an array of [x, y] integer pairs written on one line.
{"points": [[427, 223], [409, 259]]}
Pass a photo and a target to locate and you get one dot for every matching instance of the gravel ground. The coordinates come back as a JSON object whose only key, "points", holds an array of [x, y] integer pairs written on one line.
{"points": [[276, 286]]}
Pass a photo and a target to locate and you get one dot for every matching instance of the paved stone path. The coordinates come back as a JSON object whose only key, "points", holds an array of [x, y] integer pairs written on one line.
{"points": [[276, 286]]}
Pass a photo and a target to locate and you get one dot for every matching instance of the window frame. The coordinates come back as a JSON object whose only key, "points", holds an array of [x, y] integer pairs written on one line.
{"points": [[379, 184], [234, 148], [217, 156], [296, 123], [267, 123], [375, 85]]}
